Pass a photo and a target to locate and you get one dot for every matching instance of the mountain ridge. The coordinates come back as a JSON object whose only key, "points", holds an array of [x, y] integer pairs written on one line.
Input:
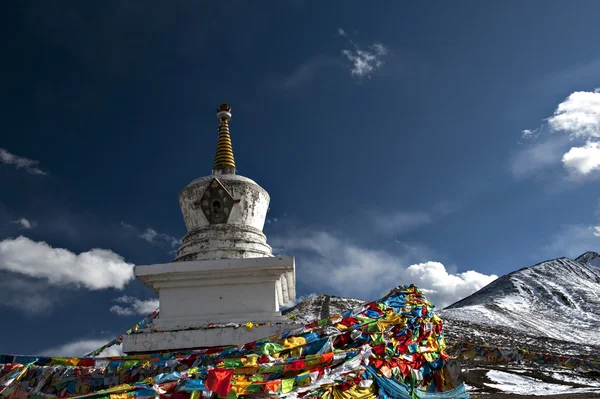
{"points": [[557, 298]]}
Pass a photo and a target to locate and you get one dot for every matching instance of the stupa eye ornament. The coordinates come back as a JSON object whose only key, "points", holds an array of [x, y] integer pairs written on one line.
{"points": [[216, 202]]}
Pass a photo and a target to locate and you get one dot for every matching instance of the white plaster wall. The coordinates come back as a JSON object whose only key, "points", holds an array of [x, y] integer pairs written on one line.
{"points": [[217, 300], [196, 293]]}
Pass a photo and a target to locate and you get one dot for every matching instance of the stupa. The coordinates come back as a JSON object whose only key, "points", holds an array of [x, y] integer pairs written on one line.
{"points": [[224, 286]]}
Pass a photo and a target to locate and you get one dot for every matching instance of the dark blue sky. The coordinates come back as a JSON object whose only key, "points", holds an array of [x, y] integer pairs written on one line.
{"points": [[394, 141]]}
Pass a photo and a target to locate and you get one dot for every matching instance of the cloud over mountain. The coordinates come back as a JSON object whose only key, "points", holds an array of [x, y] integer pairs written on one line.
{"points": [[336, 266]]}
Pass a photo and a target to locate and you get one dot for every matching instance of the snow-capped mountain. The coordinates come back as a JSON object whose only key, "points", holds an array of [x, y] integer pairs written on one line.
{"points": [[558, 299]]}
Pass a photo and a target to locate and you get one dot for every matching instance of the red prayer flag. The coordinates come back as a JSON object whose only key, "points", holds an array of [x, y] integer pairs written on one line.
{"points": [[219, 381], [379, 350], [87, 362], [295, 365]]}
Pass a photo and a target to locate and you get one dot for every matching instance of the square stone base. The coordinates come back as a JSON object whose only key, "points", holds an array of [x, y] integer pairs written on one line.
{"points": [[194, 294], [148, 342]]}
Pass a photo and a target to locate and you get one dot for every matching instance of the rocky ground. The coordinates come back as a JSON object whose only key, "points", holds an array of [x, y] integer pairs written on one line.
{"points": [[523, 379]]}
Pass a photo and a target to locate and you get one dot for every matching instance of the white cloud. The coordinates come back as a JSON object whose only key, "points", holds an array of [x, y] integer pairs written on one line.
{"points": [[24, 223], [153, 237], [134, 306], [443, 289], [400, 222], [83, 347], [337, 267], [577, 148], [578, 115], [20, 162], [573, 240], [95, 269], [582, 160], [364, 62]]}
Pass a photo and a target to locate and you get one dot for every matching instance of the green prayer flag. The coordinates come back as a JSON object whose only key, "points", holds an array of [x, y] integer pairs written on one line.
{"points": [[129, 364], [287, 385], [377, 339], [233, 363], [58, 361], [270, 370], [255, 388], [270, 348]]}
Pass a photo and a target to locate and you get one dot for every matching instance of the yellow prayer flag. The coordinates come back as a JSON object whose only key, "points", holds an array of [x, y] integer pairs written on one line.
{"points": [[250, 361], [293, 342], [355, 392]]}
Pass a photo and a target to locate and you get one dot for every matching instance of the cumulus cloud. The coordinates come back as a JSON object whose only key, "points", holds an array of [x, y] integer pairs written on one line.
{"points": [[130, 306], [581, 161], [153, 237], [337, 267], [366, 61], [24, 223], [341, 32], [571, 137], [18, 162], [82, 347], [443, 288], [95, 269], [578, 115]]}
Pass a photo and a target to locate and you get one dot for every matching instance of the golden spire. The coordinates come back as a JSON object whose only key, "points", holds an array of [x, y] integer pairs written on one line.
{"points": [[224, 161]]}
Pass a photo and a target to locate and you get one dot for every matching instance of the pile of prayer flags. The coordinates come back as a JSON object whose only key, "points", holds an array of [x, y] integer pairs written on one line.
{"points": [[392, 348]]}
